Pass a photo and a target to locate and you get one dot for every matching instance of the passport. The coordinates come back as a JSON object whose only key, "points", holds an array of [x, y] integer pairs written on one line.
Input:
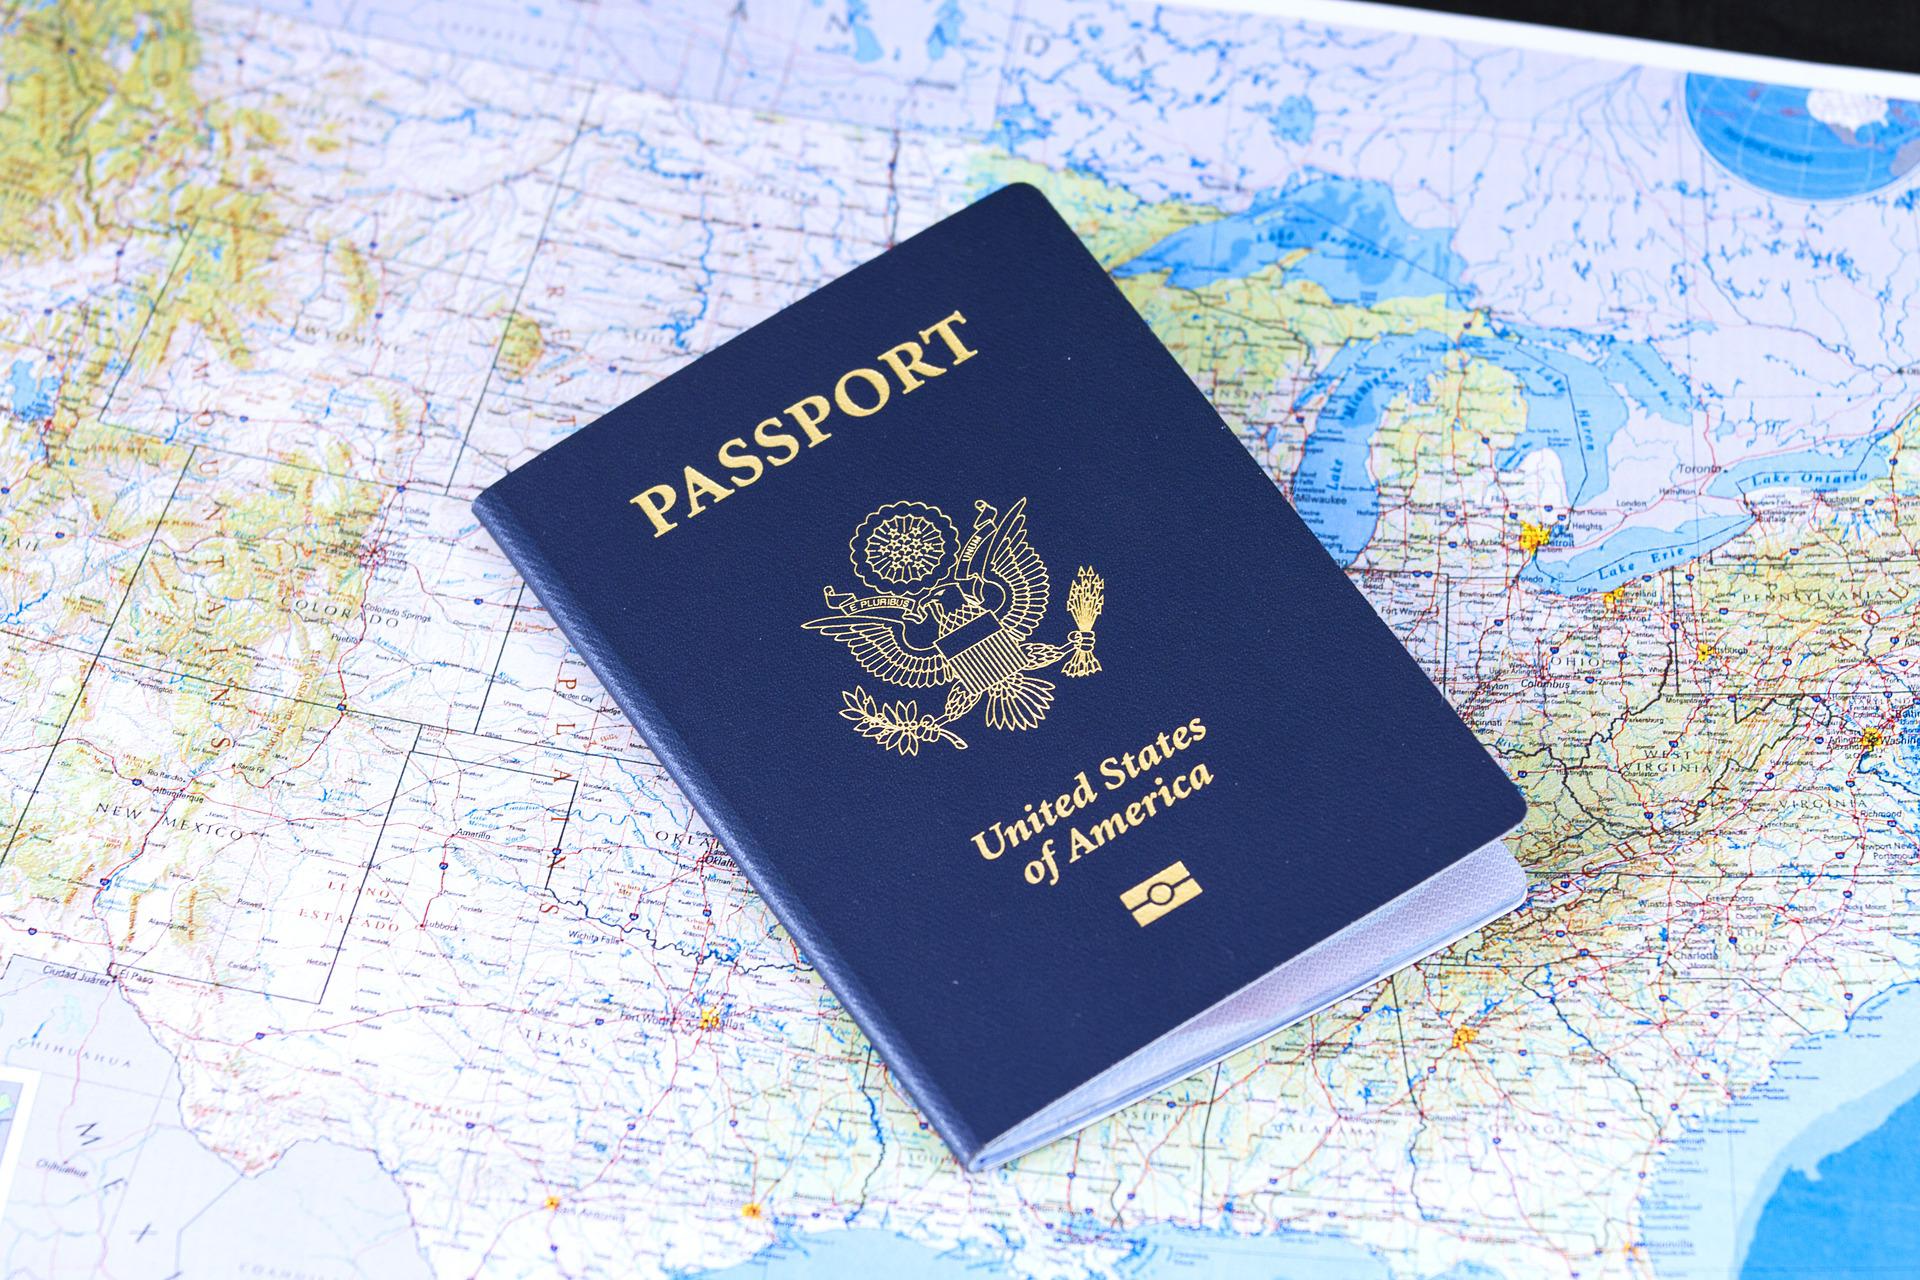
{"points": [[1069, 759]]}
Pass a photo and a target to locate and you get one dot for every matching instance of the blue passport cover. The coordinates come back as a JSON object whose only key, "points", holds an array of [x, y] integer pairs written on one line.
{"points": [[1009, 678]]}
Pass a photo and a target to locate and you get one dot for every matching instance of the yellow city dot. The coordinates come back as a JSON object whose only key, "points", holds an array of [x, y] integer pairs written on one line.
{"points": [[709, 1019], [1871, 737], [1464, 1036], [1533, 536], [1703, 651], [1615, 598], [752, 1209], [553, 1202]]}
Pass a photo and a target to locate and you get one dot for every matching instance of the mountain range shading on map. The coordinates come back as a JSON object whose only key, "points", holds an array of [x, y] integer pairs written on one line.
{"points": [[347, 926]]}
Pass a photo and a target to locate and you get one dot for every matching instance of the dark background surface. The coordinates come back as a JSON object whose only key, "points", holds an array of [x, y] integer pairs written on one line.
{"points": [[1883, 35]]}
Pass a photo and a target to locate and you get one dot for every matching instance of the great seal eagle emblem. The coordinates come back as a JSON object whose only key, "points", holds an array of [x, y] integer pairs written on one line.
{"points": [[960, 615]]}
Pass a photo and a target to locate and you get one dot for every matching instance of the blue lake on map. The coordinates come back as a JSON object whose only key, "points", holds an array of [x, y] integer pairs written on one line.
{"points": [[1363, 251], [1574, 406], [1632, 552], [1334, 489], [1640, 550], [866, 45], [1844, 466], [1579, 388], [31, 398], [1292, 119]]}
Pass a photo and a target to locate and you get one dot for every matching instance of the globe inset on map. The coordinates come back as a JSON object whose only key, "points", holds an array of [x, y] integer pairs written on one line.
{"points": [[1806, 145]]}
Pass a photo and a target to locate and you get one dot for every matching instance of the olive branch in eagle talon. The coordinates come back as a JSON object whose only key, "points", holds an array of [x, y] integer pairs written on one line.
{"points": [[897, 726], [954, 614]]}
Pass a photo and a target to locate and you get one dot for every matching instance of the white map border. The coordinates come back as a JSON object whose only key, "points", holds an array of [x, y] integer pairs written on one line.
{"points": [[1625, 50]]}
